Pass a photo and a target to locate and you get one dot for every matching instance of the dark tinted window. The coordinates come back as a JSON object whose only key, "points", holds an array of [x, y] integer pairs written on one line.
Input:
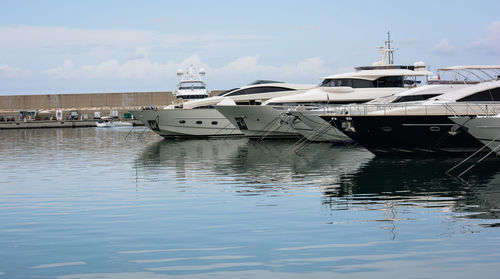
{"points": [[257, 90], [390, 81], [192, 96], [354, 83], [249, 102], [191, 85], [225, 92], [204, 107], [483, 96], [264, 81], [343, 102], [414, 98]]}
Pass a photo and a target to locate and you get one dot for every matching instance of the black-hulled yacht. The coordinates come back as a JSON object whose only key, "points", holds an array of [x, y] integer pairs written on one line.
{"points": [[424, 127]]}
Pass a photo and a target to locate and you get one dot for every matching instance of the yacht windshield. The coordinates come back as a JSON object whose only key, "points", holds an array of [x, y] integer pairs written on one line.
{"points": [[414, 98], [258, 90], [191, 85], [489, 95], [225, 92]]}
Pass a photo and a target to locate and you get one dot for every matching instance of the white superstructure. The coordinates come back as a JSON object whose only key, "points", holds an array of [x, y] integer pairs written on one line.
{"points": [[367, 83], [191, 85]]}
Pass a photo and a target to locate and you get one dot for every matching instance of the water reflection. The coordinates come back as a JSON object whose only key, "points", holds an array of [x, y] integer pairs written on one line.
{"points": [[202, 208], [423, 182], [256, 166], [345, 177]]}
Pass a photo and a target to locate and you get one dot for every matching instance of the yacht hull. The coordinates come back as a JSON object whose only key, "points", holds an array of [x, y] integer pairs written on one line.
{"points": [[259, 122], [316, 129], [383, 135], [187, 123], [485, 129]]}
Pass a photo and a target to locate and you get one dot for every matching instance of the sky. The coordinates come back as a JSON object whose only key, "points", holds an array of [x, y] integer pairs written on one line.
{"points": [[54, 47]]}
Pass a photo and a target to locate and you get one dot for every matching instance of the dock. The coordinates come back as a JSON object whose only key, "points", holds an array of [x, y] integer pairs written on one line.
{"points": [[41, 124]]}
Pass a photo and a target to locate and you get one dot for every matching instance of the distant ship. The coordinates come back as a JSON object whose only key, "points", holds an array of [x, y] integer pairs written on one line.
{"points": [[191, 85]]}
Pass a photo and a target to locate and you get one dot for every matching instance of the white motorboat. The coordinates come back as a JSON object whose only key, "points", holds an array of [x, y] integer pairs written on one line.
{"points": [[485, 128], [366, 83], [105, 122], [198, 118]]}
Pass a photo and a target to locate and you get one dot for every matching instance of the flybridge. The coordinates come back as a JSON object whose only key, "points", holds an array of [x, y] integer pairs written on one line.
{"points": [[480, 72], [467, 74], [390, 67], [386, 61]]}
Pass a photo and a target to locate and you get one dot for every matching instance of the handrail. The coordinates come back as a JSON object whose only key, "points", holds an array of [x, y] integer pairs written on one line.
{"points": [[448, 109]]}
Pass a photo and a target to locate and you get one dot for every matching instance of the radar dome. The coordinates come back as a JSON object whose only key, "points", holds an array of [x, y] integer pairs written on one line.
{"points": [[179, 72], [202, 71]]}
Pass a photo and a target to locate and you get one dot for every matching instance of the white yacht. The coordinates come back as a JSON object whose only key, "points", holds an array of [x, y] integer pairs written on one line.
{"points": [[198, 118], [366, 83], [319, 130], [191, 85], [424, 127]]}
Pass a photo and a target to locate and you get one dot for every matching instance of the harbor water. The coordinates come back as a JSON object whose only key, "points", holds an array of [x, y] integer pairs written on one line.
{"points": [[114, 203]]}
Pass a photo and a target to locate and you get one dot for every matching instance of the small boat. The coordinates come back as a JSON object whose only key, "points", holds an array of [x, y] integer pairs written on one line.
{"points": [[105, 122]]}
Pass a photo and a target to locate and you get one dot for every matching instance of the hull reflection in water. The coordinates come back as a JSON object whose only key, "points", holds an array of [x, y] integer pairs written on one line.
{"points": [[421, 183], [258, 166], [347, 177], [86, 203]]}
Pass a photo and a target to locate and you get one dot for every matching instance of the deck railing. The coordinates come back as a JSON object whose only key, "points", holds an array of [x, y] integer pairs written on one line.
{"points": [[448, 109]]}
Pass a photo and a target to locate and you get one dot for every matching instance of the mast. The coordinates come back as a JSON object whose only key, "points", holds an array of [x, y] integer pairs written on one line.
{"points": [[389, 50]]}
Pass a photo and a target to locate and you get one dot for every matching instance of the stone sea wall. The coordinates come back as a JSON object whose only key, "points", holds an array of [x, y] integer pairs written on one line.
{"points": [[84, 103]]}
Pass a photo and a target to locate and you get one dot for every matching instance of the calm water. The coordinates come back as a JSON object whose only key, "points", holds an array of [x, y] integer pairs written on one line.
{"points": [[90, 203]]}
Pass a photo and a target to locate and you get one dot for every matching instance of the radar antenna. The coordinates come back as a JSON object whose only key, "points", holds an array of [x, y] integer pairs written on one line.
{"points": [[389, 50], [387, 53]]}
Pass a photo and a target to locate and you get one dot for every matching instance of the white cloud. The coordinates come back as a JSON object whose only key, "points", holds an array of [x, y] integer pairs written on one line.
{"points": [[7, 71], [39, 36], [490, 43], [137, 68], [66, 70], [249, 66], [241, 70], [62, 36], [444, 47], [140, 53]]}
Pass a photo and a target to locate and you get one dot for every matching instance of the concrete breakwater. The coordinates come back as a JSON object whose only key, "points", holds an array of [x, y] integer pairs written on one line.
{"points": [[85, 105]]}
